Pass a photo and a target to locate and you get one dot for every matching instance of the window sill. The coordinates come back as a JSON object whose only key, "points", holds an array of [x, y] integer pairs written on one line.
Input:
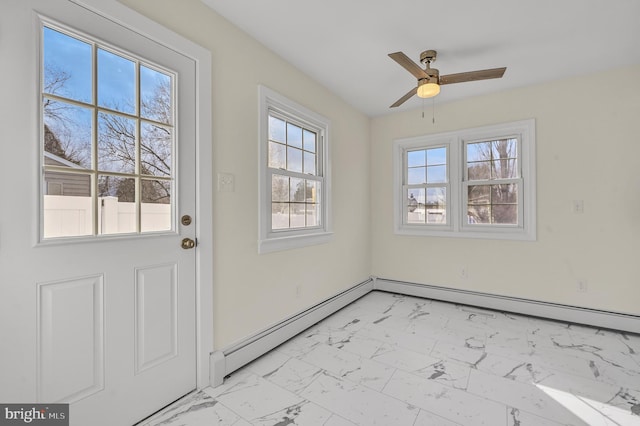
{"points": [[292, 242], [517, 234]]}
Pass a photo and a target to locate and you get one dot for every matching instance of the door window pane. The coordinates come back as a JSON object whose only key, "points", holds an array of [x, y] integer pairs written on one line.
{"points": [[67, 66], [117, 212], [155, 95], [116, 143], [116, 82], [156, 144], [67, 135], [155, 208]]}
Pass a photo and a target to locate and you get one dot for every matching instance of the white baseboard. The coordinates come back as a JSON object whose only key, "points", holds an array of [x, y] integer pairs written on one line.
{"points": [[228, 360], [572, 314]]}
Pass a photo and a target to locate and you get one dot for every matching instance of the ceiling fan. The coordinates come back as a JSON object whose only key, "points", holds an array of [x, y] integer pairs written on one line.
{"points": [[430, 80]]}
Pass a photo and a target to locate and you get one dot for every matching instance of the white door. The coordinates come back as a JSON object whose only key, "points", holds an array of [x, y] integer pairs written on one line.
{"points": [[97, 294]]}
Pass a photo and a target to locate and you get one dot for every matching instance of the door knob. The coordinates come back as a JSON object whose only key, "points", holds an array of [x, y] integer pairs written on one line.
{"points": [[188, 243]]}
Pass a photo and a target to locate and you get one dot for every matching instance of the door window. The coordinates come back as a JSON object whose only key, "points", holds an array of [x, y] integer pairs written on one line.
{"points": [[108, 139]]}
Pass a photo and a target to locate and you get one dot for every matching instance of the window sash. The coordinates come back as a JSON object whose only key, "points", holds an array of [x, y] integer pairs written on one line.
{"points": [[487, 226], [446, 184], [296, 230]]}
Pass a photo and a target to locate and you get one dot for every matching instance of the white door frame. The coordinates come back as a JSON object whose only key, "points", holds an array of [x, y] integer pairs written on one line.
{"points": [[138, 23]]}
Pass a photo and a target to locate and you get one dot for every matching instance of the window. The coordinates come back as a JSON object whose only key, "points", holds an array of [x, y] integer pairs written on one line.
{"points": [[294, 175], [107, 139], [471, 183]]}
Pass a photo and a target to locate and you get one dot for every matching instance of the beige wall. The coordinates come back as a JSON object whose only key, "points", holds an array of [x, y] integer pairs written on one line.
{"points": [[252, 291], [587, 149]]}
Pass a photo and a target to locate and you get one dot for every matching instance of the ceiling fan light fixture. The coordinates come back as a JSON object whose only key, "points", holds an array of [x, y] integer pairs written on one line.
{"points": [[427, 89]]}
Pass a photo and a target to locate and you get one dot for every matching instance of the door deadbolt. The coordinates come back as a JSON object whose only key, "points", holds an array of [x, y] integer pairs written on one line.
{"points": [[186, 220], [188, 243]]}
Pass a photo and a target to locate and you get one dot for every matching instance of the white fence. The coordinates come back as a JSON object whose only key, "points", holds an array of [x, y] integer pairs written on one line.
{"points": [[66, 216]]}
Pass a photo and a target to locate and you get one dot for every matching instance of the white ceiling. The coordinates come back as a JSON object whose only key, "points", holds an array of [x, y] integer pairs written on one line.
{"points": [[343, 44]]}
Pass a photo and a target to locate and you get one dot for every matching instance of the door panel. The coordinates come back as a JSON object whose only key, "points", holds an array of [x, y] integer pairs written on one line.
{"points": [[70, 315], [104, 322]]}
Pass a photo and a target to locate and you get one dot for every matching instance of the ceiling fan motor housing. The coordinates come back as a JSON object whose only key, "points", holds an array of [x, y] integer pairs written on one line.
{"points": [[428, 56]]}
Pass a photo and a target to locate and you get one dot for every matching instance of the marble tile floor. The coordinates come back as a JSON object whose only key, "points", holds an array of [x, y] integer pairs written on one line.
{"points": [[396, 360]]}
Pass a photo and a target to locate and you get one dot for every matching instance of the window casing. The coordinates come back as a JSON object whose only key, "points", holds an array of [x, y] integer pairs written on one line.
{"points": [[476, 183], [294, 175]]}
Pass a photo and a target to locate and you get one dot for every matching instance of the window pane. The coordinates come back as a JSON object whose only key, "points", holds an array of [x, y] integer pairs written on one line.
{"points": [[436, 174], [478, 151], [294, 135], [155, 209], [155, 95], [297, 190], [116, 206], [280, 215], [67, 205], [416, 158], [505, 214], [309, 141], [276, 130], [297, 213], [479, 171], [313, 216], [279, 188], [67, 66], [478, 215], [67, 135], [436, 207], [479, 194], [277, 156], [116, 143], [504, 194], [116, 82], [504, 169], [436, 156], [416, 205], [416, 175], [294, 159], [309, 163], [155, 150], [504, 148], [312, 191]]}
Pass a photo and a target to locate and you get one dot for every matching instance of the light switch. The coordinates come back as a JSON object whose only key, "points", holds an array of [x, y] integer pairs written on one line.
{"points": [[225, 182]]}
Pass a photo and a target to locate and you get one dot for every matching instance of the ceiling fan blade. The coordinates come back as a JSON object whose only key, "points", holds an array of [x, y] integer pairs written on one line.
{"points": [[405, 98], [472, 76], [409, 65]]}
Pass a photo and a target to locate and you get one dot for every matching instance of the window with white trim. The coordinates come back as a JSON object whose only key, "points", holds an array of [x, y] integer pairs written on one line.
{"points": [[294, 175], [476, 182]]}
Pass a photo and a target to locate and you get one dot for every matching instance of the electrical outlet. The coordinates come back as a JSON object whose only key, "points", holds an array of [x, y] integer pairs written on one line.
{"points": [[464, 272], [298, 291], [581, 286], [578, 206]]}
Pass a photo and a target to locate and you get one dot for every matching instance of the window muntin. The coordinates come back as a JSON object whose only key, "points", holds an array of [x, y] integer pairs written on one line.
{"points": [[293, 165], [426, 185], [108, 139]]}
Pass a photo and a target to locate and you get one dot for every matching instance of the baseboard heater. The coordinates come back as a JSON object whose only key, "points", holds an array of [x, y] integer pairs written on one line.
{"points": [[567, 313], [228, 360]]}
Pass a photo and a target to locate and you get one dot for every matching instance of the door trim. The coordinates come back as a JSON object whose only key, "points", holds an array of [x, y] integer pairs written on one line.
{"points": [[144, 26]]}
